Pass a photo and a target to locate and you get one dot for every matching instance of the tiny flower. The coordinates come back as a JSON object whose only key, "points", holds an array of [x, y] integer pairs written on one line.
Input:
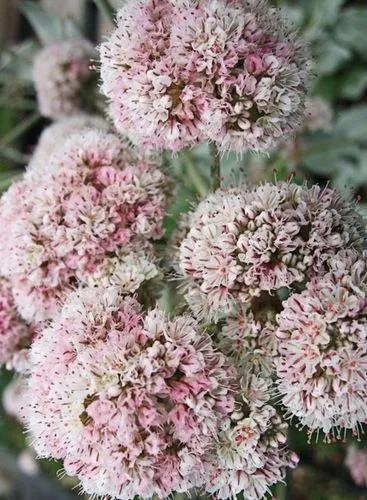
{"points": [[242, 243], [130, 401], [180, 73], [250, 455], [248, 337], [55, 136], [78, 218], [126, 271], [60, 70], [322, 363]]}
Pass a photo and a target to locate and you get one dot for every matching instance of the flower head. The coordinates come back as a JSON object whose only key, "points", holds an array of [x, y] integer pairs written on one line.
{"points": [[94, 204], [179, 73], [55, 136], [59, 72], [245, 242], [322, 363], [129, 401], [248, 337], [13, 331], [250, 455]]}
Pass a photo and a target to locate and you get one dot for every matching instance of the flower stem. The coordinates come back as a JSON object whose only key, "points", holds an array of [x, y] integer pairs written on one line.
{"points": [[106, 9], [194, 176], [215, 168]]}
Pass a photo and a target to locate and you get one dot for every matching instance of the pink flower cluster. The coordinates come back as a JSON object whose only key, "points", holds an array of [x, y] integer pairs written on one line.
{"points": [[179, 73], [322, 363], [55, 136], [356, 462], [248, 337], [130, 401], [95, 203], [244, 242], [250, 454], [59, 73], [13, 331]]}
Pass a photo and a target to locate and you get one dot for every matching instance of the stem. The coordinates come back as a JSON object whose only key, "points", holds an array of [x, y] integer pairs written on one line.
{"points": [[194, 175], [106, 9], [215, 168], [281, 491], [14, 155]]}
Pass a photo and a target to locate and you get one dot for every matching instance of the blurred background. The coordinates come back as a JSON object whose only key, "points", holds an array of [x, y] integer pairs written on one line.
{"points": [[331, 148]]}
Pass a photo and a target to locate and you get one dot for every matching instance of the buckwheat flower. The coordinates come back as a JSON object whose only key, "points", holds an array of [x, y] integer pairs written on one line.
{"points": [[126, 271], [13, 331], [15, 399], [95, 203], [322, 363], [251, 453], [245, 242], [319, 114], [256, 68], [248, 337], [356, 462], [131, 401], [179, 73], [151, 100], [60, 70], [55, 136]]}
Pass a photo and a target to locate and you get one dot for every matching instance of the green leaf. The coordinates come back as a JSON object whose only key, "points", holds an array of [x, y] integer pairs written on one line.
{"points": [[351, 29], [327, 87], [16, 63], [322, 153], [330, 56], [71, 29], [352, 124], [48, 28], [354, 83], [320, 13]]}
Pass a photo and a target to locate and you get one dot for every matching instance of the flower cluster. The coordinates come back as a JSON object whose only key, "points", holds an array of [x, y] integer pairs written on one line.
{"points": [[179, 73], [128, 271], [250, 455], [59, 73], [130, 401], [65, 225], [55, 136], [246, 242], [322, 363], [248, 337], [13, 331], [356, 462]]}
